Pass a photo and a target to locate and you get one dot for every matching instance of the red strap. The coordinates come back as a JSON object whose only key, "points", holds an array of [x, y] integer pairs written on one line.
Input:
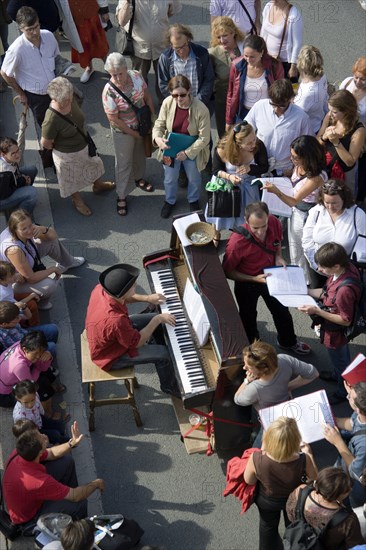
{"points": [[165, 257]]}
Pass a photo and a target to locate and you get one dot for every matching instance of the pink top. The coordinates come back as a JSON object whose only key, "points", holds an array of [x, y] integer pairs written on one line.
{"points": [[299, 184], [15, 367], [114, 103]]}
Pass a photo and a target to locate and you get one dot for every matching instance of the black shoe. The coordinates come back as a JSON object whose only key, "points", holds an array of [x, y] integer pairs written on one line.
{"points": [[166, 210], [193, 206], [327, 376], [335, 399]]}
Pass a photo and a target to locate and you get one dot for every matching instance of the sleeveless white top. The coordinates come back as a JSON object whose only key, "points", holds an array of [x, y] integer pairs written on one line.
{"points": [[254, 90]]}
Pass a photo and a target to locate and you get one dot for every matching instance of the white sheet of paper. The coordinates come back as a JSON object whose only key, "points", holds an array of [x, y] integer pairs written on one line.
{"points": [[196, 312], [181, 225], [274, 203], [310, 411], [286, 281], [357, 360], [297, 300]]}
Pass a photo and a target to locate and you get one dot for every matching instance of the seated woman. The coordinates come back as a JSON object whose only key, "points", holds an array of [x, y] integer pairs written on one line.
{"points": [[357, 86], [331, 488], [24, 244], [183, 114], [335, 218], [16, 189], [130, 158], [343, 136], [226, 45], [28, 359], [250, 78], [278, 469], [63, 131], [309, 174], [270, 378], [312, 94], [239, 157]]}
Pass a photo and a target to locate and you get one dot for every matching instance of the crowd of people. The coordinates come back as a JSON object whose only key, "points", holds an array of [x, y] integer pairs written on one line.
{"points": [[275, 116]]}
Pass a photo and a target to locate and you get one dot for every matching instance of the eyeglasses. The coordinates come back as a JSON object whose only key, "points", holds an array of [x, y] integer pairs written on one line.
{"points": [[253, 354], [331, 186], [175, 96], [31, 29], [239, 126], [282, 107], [179, 48]]}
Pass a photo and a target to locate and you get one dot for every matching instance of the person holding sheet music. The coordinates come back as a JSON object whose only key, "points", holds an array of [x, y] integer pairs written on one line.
{"points": [[337, 310], [277, 470], [254, 246], [182, 113], [308, 158]]}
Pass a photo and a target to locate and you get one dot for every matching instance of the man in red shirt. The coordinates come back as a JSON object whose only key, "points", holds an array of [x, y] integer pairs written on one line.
{"points": [[30, 491], [245, 258], [117, 339]]}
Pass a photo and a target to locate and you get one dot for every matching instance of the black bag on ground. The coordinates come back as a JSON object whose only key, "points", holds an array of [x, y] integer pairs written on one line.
{"points": [[125, 537], [224, 204], [300, 535], [7, 528]]}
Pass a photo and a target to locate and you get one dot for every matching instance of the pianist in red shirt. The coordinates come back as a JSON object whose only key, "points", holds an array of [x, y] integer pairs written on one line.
{"points": [[117, 339]]}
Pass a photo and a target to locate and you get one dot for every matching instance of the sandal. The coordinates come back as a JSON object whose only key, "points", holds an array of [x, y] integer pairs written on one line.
{"points": [[103, 186], [144, 185], [82, 208], [122, 209]]}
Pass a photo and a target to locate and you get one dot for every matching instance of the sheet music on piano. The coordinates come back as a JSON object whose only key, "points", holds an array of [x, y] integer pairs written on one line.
{"points": [[196, 312]]}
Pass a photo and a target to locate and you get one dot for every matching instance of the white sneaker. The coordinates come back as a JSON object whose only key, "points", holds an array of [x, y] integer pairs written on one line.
{"points": [[76, 262], [86, 76], [362, 4], [69, 70]]}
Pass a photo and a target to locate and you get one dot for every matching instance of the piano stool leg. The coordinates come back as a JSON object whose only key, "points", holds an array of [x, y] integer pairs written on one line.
{"points": [[136, 384], [91, 406], [130, 385]]}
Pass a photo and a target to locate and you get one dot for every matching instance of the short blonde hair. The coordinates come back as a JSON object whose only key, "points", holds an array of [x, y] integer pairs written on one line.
{"points": [[282, 439], [60, 89], [226, 25], [310, 62]]}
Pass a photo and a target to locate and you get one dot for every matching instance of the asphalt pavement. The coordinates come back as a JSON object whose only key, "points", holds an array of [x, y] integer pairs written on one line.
{"points": [[177, 498]]}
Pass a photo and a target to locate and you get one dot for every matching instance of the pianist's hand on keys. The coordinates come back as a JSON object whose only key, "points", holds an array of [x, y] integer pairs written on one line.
{"points": [[156, 299], [167, 318]]}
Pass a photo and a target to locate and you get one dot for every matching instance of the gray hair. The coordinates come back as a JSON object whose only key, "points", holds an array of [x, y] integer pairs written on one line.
{"points": [[115, 60], [60, 89]]}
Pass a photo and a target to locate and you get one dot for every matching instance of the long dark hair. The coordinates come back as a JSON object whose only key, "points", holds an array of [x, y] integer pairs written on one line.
{"points": [[311, 154]]}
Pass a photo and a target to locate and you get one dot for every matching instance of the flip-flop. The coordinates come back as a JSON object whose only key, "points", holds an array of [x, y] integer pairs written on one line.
{"points": [[122, 209], [82, 208], [145, 185]]}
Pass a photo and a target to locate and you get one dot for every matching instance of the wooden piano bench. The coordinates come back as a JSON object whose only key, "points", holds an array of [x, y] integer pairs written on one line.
{"points": [[91, 374]]}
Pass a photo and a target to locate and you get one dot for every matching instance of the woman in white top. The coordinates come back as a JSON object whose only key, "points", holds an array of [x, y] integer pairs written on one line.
{"points": [[357, 86], [282, 29], [309, 174], [312, 94], [335, 219]]}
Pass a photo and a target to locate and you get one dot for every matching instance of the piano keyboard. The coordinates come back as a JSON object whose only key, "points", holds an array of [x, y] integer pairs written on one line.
{"points": [[186, 357]]}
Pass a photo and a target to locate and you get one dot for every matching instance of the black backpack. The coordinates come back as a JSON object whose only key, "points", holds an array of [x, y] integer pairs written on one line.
{"points": [[300, 535]]}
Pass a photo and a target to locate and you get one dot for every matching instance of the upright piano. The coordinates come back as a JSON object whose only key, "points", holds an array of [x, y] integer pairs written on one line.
{"points": [[207, 375]]}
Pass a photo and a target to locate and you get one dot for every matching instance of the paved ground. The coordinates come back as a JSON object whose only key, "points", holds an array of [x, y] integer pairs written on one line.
{"points": [[175, 497]]}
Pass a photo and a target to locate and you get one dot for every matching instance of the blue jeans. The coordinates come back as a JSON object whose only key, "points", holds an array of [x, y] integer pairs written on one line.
{"points": [[23, 197], [171, 176], [340, 358]]}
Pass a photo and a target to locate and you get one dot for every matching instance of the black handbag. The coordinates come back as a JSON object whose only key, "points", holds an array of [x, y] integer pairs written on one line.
{"points": [[38, 264], [224, 204], [125, 537], [124, 40], [143, 114], [92, 148], [46, 158]]}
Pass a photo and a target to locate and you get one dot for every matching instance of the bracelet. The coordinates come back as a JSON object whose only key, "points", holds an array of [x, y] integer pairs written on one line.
{"points": [[323, 140], [70, 444]]}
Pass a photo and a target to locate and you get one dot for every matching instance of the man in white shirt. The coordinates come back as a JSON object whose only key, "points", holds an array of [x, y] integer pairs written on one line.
{"points": [[277, 122], [243, 17], [29, 64]]}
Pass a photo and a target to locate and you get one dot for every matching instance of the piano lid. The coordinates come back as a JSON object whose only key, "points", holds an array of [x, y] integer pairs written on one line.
{"points": [[226, 326]]}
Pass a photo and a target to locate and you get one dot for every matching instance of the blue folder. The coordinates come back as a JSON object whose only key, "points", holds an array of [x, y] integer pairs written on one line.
{"points": [[177, 143]]}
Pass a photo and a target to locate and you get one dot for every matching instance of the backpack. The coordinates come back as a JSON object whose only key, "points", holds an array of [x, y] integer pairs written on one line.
{"points": [[358, 325], [300, 535]]}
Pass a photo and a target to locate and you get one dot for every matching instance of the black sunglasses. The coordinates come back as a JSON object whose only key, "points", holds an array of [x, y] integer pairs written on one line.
{"points": [[239, 126]]}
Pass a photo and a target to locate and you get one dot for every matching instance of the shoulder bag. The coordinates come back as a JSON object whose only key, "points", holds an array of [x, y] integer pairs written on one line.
{"points": [[124, 40], [143, 113], [223, 199], [92, 148], [284, 31], [253, 30]]}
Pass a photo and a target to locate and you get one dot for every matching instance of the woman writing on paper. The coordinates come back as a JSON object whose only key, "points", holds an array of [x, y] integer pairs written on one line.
{"points": [[308, 158], [278, 469], [183, 114], [239, 157]]}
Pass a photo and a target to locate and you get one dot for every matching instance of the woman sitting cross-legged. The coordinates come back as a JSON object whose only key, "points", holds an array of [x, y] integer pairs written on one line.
{"points": [[63, 131], [24, 244], [183, 114]]}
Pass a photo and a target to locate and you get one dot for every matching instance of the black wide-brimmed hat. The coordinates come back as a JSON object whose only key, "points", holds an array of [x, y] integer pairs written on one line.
{"points": [[118, 279]]}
